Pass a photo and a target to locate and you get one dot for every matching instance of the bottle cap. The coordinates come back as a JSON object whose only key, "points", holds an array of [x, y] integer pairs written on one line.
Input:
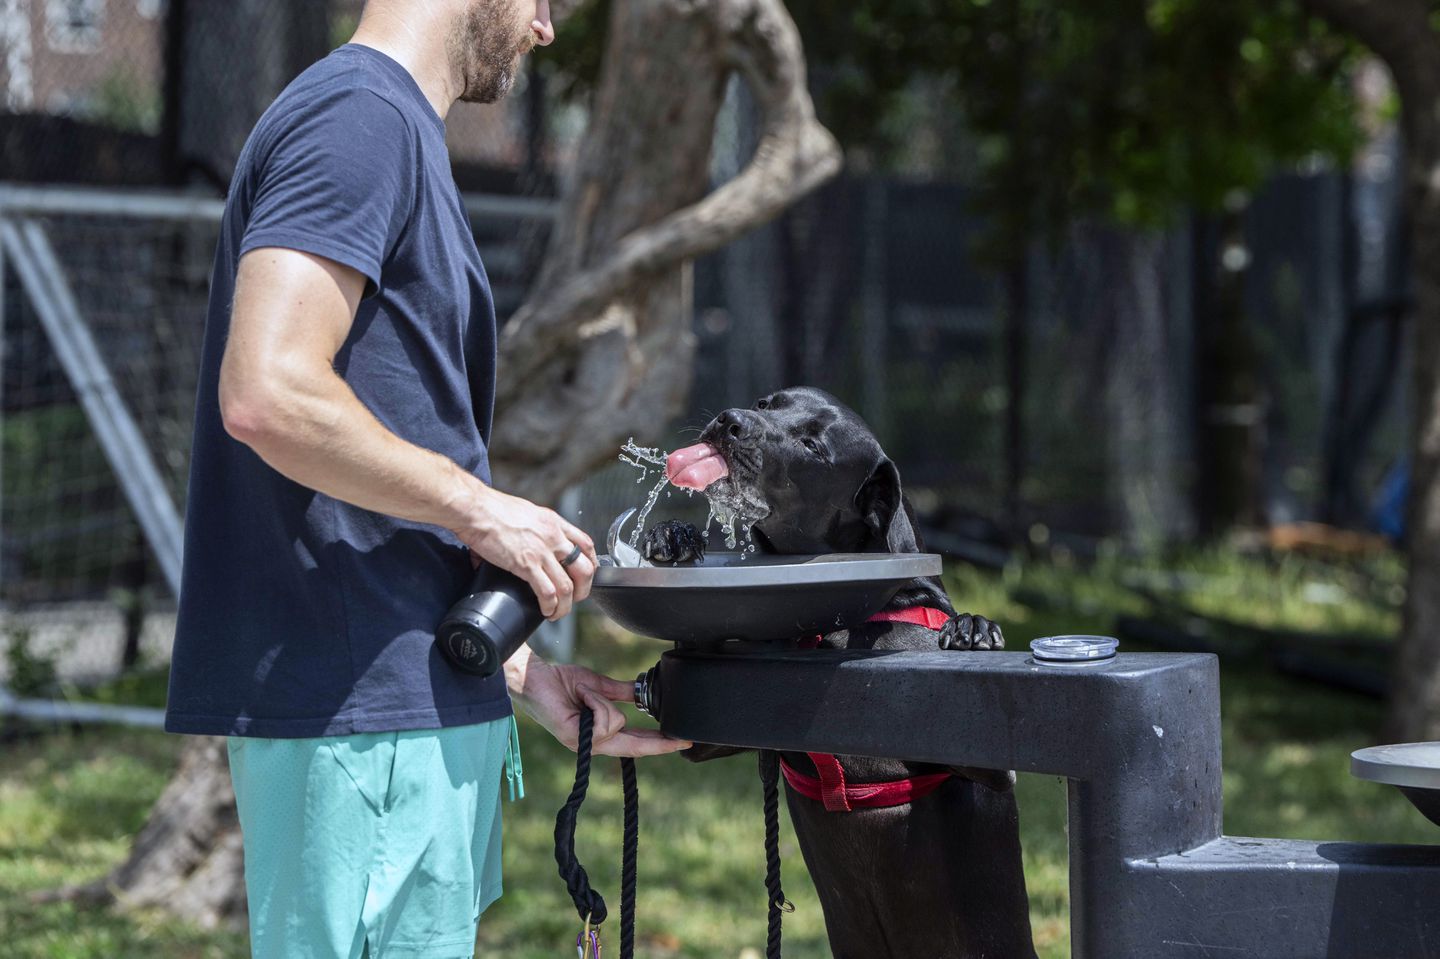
{"points": [[1073, 650]]}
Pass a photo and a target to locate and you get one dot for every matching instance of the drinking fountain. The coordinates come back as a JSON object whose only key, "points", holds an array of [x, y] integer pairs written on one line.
{"points": [[1135, 735]]}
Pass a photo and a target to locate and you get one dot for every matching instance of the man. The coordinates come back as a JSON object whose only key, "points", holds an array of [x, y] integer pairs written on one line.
{"points": [[339, 499]]}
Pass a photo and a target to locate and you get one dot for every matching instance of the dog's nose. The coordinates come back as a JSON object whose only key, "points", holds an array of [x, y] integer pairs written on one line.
{"points": [[736, 424]]}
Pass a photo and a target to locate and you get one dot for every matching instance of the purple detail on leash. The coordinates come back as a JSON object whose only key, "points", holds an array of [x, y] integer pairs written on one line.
{"points": [[593, 952]]}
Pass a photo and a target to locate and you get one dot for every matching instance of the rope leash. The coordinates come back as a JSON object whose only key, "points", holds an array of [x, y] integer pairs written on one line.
{"points": [[589, 904], [777, 904]]}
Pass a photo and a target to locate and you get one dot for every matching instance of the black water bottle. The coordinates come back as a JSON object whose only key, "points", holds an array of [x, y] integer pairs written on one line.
{"points": [[489, 623]]}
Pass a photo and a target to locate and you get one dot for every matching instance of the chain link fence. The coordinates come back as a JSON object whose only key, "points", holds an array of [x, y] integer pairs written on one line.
{"points": [[104, 301]]}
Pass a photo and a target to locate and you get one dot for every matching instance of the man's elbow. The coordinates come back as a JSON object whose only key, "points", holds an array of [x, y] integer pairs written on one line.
{"points": [[252, 415]]}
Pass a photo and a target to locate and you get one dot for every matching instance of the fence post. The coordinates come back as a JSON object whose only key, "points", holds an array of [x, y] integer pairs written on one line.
{"points": [[124, 447]]}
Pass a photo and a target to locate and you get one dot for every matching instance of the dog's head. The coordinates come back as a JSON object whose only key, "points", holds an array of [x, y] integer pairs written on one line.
{"points": [[805, 471]]}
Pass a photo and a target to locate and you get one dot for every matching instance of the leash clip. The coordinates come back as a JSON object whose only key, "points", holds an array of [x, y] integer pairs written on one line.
{"points": [[587, 944]]}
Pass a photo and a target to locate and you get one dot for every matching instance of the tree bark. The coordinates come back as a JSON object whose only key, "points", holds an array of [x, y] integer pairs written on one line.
{"points": [[1399, 32], [601, 350], [187, 857]]}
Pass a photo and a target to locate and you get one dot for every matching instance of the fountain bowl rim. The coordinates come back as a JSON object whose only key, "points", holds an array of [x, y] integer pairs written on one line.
{"points": [[728, 570], [1415, 765]]}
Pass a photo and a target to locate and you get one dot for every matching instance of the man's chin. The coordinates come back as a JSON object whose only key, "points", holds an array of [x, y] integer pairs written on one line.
{"points": [[492, 90]]}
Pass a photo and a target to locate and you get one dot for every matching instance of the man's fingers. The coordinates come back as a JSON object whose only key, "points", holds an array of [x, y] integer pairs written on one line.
{"points": [[615, 690], [609, 721], [581, 572], [580, 538], [640, 742], [543, 588], [582, 569], [563, 586]]}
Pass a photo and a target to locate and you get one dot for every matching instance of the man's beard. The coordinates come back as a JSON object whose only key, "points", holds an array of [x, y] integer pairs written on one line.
{"points": [[486, 47]]}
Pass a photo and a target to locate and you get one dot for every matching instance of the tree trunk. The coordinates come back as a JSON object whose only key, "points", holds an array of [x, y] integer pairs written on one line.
{"points": [[1230, 400], [602, 349], [1414, 707], [187, 857], [1400, 33]]}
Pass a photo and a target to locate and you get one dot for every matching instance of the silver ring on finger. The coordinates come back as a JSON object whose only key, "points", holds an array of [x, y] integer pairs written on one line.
{"points": [[574, 555]]}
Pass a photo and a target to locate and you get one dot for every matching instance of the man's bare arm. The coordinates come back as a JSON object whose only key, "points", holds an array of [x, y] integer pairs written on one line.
{"points": [[281, 396]]}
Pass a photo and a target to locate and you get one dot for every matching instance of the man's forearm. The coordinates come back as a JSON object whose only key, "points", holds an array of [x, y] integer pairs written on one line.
{"points": [[315, 431]]}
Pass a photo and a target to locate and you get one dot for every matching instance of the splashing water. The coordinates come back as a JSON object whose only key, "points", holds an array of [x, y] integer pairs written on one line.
{"points": [[638, 457], [735, 521], [645, 512], [734, 515]]}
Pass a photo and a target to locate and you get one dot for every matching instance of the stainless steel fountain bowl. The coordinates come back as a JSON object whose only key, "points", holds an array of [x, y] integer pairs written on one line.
{"points": [[733, 595]]}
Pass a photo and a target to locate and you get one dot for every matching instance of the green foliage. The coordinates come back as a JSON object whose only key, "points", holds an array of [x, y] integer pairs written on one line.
{"points": [[1129, 109], [30, 673], [125, 101], [57, 482], [572, 63]]}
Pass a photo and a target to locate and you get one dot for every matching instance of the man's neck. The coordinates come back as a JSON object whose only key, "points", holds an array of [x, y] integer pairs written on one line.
{"points": [[417, 43]]}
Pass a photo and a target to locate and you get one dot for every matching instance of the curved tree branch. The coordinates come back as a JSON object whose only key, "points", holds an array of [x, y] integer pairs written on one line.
{"points": [[795, 154]]}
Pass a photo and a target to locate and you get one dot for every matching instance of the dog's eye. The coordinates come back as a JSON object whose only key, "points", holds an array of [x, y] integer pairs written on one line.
{"points": [[813, 445], [762, 404]]}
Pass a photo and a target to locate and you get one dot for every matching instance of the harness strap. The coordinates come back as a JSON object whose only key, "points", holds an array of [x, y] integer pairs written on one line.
{"points": [[831, 788], [861, 795], [927, 616]]}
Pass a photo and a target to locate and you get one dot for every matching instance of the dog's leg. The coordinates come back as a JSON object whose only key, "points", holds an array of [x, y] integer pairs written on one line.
{"points": [[969, 631]]}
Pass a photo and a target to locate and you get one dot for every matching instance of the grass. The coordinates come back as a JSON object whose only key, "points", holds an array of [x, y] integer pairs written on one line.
{"points": [[70, 801]]}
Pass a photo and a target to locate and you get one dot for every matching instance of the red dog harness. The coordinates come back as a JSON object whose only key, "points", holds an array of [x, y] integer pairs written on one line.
{"points": [[831, 788]]}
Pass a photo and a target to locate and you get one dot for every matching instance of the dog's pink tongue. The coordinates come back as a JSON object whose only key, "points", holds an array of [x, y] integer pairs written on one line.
{"points": [[695, 467]]}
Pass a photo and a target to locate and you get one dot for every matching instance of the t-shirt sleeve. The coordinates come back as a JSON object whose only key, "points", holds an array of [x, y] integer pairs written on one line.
{"points": [[338, 181]]}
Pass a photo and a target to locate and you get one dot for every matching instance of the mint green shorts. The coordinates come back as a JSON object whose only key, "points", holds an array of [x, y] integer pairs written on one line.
{"points": [[375, 845]]}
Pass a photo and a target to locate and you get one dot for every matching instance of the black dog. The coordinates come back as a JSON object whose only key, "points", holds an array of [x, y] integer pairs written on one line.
{"points": [[938, 877]]}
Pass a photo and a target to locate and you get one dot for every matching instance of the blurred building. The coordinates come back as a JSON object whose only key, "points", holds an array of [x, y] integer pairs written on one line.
{"points": [[81, 57]]}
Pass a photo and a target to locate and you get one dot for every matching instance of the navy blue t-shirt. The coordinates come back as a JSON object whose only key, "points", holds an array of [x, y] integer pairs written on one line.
{"points": [[301, 615]]}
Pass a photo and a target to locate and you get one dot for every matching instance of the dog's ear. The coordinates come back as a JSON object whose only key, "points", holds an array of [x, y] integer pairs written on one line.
{"points": [[882, 507]]}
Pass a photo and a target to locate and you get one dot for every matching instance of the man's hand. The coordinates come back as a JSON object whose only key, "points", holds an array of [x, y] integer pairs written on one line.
{"points": [[554, 695], [529, 541]]}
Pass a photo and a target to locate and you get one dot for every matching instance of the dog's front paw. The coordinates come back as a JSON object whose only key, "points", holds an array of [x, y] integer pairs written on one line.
{"points": [[968, 631], [673, 542]]}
